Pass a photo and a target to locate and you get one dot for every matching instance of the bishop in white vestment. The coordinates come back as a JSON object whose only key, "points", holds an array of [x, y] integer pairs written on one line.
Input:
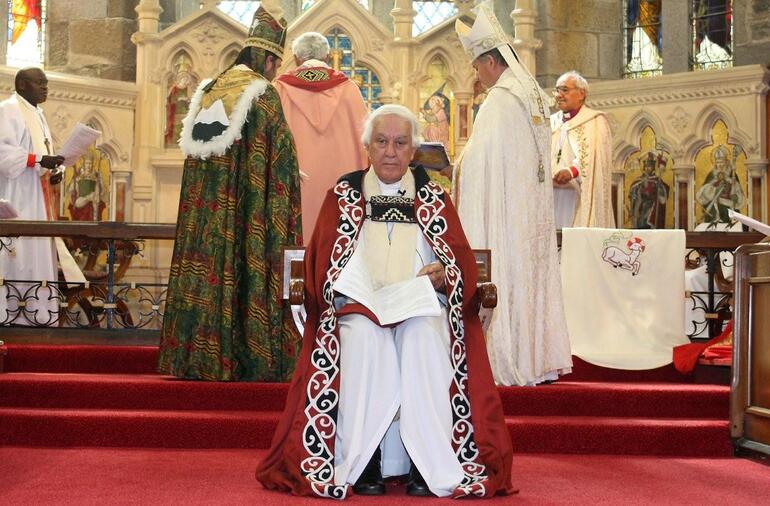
{"points": [[505, 202]]}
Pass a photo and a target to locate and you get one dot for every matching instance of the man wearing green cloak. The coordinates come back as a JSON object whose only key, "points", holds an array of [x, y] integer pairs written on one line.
{"points": [[239, 205]]}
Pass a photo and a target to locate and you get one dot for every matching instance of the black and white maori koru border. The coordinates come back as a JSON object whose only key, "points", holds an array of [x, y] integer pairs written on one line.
{"points": [[322, 395], [430, 206]]}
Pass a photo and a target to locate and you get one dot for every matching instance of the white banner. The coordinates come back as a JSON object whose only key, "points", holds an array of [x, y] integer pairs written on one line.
{"points": [[624, 295]]}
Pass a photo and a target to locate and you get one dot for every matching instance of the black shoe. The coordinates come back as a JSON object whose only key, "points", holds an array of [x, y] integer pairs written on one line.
{"points": [[416, 485], [370, 482]]}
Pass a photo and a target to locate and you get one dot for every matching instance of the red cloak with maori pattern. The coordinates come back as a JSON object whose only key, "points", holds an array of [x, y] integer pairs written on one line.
{"points": [[301, 458]]}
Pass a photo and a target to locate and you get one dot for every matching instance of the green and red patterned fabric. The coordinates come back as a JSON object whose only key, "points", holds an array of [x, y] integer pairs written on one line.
{"points": [[224, 318]]}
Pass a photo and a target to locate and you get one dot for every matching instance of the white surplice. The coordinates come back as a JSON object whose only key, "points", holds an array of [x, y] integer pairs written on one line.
{"points": [[393, 391], [33, 258], [504, 206], [585, 142]]}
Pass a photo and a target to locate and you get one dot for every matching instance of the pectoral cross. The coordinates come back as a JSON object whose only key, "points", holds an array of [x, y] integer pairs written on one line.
{"points": [[541, 172]]}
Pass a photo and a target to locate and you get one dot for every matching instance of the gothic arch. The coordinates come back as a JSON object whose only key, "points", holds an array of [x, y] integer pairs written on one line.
{"points": [[108, 143], [629, 143], [228, 56], [702, 129]]}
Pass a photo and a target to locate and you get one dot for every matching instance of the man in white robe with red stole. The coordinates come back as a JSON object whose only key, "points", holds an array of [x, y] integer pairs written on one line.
{"points": [[581, 149], [26, 159], [325, 112], [505, 201], [355, 378]]}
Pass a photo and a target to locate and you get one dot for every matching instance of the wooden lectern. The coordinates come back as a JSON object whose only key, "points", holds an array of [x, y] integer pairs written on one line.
{"points": [[750, 389]]}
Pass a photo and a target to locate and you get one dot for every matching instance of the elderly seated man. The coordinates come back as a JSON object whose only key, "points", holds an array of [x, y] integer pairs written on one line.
{"points": [[417, 396]]}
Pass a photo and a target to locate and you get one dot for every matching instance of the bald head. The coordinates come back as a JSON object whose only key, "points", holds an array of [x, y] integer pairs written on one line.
{"points": [[32, 84]]}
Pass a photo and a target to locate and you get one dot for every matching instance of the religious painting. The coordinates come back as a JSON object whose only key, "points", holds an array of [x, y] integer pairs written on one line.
{"points": [[86, 188], [181, 88], [649, 185], [479, 94], [721, 178], [436, 111]]}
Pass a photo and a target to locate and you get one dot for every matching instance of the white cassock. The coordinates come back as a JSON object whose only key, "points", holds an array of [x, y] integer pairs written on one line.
{"points": [[23, 131], [401, 373], [583, 142], [565, 196], [506, 206]]}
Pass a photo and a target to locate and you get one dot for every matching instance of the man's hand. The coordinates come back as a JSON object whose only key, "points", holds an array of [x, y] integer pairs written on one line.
{"points": [[435, 273], [564, 176], [51, 161], [56, 177]]}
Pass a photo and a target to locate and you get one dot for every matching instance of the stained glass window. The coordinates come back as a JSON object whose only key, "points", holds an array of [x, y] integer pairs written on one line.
{"points": [[712, 34], [240, 10], [343, 59], [643, 35], [431, 13], [26, 33]]}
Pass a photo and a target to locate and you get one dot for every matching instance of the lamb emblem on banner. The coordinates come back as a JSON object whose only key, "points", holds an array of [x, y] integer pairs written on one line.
{"points": [[628, 260]]}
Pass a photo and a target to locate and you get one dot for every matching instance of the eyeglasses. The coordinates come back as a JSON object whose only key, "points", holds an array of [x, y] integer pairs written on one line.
{"points": [[561, 90]]}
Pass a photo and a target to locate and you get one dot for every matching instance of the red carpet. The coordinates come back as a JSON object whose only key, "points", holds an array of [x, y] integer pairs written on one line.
{"points": [[125, 476], [63, 396]]}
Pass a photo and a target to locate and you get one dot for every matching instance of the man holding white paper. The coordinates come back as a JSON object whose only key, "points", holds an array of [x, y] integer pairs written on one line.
{"points": [[393, 359], [28, 167]]}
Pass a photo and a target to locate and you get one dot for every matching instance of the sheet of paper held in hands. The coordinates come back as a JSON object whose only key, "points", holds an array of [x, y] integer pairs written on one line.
{"points": [[7, 211], [80, 139], [390, 304], [751, 222]]}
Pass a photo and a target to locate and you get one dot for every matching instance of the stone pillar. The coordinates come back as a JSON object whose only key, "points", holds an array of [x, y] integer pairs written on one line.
{"points": [[401, 49], [403, 19], [677, 37], [524, 17], [684, 212], [4, 30], [147, 129], [757, 170]]}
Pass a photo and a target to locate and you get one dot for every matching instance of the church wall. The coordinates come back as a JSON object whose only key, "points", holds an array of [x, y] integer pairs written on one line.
{"points": [[583, 36], [752, 32], [92, 38]]}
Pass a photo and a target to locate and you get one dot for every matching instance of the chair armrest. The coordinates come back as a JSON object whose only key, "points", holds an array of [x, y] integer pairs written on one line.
{"points": [[297, 292]]}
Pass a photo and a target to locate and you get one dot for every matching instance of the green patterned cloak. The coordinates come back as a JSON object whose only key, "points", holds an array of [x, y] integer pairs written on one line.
{"points": [[240, 204]]}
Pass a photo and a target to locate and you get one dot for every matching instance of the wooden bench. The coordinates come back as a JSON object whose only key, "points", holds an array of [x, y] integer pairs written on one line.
{"points": [[293, 283]]}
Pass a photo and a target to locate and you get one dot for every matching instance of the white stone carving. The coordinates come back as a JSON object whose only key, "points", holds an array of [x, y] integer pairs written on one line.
{"points": [[679, 120]]}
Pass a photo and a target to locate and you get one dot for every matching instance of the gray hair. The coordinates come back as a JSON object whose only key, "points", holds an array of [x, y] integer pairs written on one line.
{"points": [[395, 110], [580, 81], [310, 45]]}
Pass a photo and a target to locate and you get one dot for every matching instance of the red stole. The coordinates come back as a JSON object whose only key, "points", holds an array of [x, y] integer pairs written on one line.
{"points": [[313, 78]]}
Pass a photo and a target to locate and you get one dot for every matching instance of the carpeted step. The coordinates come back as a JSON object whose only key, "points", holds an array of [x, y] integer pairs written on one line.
{"points": [[81, 359], [254, 429], [114, 391], [143, 360]]}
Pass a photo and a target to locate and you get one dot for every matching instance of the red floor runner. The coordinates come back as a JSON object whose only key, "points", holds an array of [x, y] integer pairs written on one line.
{"points": [[207, 477]]}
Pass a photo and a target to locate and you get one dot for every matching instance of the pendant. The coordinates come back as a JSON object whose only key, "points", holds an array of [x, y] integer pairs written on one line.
{"points": [[541, 173]]}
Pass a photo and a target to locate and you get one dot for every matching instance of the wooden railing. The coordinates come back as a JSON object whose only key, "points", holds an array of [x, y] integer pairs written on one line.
{"points": [[109, 302]]}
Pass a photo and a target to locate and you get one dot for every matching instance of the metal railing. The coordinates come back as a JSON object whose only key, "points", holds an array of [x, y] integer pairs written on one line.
{"points": [[105, 300]]}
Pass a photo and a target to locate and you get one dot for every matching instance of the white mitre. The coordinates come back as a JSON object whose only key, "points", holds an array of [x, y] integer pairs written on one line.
{"points": [[487, 34]]}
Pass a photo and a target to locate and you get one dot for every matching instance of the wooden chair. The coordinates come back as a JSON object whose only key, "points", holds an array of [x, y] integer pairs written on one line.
{"points": [[294, 285]]}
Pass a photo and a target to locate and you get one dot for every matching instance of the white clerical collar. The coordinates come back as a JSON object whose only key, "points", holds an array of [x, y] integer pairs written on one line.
{"points": [[312, 62], [389, 188], [23, 101]]}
